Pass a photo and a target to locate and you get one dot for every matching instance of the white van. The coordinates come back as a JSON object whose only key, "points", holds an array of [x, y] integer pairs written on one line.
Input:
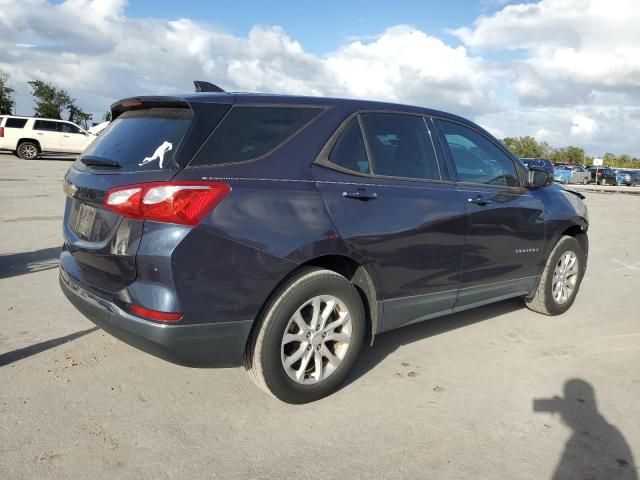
{"points": [[28, 137]]}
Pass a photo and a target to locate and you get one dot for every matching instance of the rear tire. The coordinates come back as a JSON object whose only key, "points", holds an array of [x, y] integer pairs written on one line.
{"points": [[560, 280], [603, 182], [585, 180], [291, 359], [28, 150]]}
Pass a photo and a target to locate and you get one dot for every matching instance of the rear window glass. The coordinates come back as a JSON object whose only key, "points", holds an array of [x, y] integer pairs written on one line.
{"points": [[15, 123], [142, 139], [250, 132]]}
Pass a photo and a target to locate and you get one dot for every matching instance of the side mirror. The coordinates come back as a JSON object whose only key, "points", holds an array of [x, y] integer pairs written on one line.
{"points": [[539, 178]]}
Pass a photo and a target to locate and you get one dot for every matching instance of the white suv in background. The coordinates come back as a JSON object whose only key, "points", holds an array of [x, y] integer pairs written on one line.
{"points": [[28, 137]]}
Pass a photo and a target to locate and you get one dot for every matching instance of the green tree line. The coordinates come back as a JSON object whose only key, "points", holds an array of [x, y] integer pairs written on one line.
{"points": [[50, 101], [527, 146]]}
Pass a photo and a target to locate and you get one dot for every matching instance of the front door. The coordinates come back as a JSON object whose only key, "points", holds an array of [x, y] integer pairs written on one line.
{"points": [[74, 140], [506, 223], [398, 218]]}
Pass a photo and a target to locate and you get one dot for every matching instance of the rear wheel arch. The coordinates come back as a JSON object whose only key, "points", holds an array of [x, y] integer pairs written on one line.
{"points": [[349, 268], [360, 277], [32, 140]]}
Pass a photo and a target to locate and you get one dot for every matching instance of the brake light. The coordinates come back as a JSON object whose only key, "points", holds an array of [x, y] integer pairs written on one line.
{"points": [[600, 174], [1, 132], [185, 203], [155, 315]]}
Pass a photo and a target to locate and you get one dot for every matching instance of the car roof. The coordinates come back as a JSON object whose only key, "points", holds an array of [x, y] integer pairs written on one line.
{"points": [[249, 98], [37, 118]]}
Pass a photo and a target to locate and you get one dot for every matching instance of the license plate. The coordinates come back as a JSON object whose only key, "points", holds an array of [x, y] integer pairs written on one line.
{"points": [[84, 224]]}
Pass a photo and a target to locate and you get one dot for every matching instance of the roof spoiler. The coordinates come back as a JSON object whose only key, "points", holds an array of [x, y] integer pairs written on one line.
{"points": [[135, 103], [202, 86]]}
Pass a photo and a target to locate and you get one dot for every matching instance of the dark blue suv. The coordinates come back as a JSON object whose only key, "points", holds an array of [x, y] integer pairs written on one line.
{"points": [[277, 231]]}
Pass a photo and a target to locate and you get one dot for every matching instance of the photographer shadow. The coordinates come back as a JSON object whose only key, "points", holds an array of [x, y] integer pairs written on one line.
{"points": [[596, 448]]}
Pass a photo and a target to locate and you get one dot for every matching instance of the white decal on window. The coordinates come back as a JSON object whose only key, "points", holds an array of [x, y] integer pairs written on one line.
{"points": [[158, 154]]}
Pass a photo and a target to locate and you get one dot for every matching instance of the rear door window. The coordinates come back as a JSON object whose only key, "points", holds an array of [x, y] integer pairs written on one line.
{"points": [[46, 125], [15, 123], [349, 151], [400, 146], [476, 158], [144, 139], [249, 132]]}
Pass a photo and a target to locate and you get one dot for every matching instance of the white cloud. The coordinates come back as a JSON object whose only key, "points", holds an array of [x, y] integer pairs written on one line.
{"points": [[582, 125], [98, 54], [573, 46], [575, 76]]}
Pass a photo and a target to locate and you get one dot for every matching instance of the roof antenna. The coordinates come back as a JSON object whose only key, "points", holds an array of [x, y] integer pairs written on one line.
{"points": [[202, 86]]}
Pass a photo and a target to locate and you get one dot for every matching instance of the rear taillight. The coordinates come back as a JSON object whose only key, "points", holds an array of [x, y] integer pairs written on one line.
{"points": [[600, 174], [185, 203], [155, 315], [1, 132]]}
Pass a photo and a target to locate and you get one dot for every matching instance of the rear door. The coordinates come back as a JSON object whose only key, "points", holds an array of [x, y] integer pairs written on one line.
{"points": [[506, 222], [48, 135], [148, 143], [383, 188]]}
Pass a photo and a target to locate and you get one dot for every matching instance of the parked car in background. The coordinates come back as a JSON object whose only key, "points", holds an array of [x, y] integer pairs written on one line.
{"points": [[571, 174], [28, 137], [541, 163], [603, 175], [561, 175], [99, 128], [628, 177]]}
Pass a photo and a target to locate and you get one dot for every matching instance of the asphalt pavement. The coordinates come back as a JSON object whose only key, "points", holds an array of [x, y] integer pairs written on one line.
{"points": [[498, 392]]}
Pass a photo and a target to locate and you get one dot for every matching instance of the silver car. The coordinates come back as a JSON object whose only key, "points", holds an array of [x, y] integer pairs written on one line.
{"points": [[578, 173]]}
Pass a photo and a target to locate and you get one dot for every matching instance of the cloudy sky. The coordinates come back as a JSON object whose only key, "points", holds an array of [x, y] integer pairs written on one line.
{"points": [[564, 71]]}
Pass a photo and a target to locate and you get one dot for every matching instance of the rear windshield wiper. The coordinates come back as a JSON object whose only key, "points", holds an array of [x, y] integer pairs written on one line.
{"points": [[92, 161]]}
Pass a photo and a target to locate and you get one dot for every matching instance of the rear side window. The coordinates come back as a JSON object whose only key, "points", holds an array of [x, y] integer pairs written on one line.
{"points": [[400, 146], [349, 151], [142, 139], [15, 123], [250, 132], [45, 125], [477, 159]]}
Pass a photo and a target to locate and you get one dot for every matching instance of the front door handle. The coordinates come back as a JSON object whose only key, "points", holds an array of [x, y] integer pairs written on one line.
{"points": [[480, 201], [360, 195]]}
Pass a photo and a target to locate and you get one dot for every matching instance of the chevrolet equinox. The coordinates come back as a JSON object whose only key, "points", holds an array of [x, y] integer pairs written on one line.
{"points": [[275, 232]]}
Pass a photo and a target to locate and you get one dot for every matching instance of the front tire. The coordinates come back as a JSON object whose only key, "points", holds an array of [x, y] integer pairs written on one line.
{"points": [[560, 280], [308, 337], [28, 150], [585, 181]]}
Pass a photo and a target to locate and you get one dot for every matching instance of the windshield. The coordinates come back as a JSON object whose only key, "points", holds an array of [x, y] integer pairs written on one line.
{"points": [[141, 140]]}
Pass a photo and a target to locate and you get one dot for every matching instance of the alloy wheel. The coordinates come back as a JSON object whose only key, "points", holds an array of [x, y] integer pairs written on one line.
{"points": [[28, 151], [565, 277], [316, 339]]}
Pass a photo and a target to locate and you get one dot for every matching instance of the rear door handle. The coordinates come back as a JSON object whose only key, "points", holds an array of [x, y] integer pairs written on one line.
{"points": [[480, 201], [360, 195]]}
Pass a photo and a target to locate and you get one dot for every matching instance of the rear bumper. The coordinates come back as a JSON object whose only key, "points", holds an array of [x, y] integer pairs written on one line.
{"points": [[208, 344]]}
